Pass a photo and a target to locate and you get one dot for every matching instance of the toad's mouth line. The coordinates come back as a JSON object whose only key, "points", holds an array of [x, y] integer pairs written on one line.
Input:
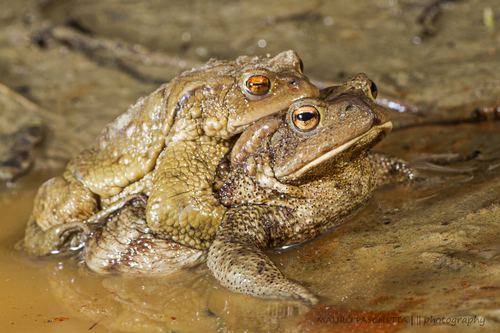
{"points": [[385, 127]]}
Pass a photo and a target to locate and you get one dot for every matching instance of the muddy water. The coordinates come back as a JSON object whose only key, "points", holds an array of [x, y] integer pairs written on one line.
{"points": [[426, 249], [60, 294], [27, 302]]}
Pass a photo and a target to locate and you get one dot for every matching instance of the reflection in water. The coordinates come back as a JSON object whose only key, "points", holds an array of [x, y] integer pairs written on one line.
{"points": [[185, 302], [130, 304]]}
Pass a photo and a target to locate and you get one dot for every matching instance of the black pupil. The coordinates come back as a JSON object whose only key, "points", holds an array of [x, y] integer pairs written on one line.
{"points": [[373, 88], [306, 116]]}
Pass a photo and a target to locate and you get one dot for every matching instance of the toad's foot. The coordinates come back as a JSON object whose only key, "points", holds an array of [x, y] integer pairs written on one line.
{"points": [[64, 238], [391, 170], [100, 217], [238, 263], [126, 245], [61, 239]]}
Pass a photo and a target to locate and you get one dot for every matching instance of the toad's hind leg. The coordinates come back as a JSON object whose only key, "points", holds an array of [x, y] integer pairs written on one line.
{"points": [[57, 224], [126, 245], [62, 200], [64, 216], [238, 263], [61, 238]]}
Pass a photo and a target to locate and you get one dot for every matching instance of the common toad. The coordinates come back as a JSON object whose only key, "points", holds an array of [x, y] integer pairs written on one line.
{"points": [[166, 146], [293, 176]]}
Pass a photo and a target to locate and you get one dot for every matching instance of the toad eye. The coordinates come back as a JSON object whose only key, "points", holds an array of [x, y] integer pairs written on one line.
{"points": [[258, 85], [373, 89], [306, 118]]}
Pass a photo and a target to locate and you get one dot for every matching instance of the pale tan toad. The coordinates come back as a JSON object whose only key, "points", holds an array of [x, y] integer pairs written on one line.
{"points": [[166, 146]]}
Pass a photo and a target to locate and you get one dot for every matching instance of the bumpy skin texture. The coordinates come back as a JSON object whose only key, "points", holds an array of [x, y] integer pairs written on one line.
{"points": [[285, 185], [279, 185], [391, 169], [127, 245], [181, 129]]}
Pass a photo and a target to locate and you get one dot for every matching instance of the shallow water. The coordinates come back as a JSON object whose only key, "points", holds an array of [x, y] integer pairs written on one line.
{"points": [[61, 294], [27, 301], [411, 253]]}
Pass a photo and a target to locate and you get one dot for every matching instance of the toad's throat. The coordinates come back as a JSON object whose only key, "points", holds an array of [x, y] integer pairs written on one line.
{"points": [[367, 137]]}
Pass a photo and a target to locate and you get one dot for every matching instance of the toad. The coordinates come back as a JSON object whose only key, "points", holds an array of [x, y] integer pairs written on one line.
{"points": [[166, 147], [289, 177], [293, 176]]}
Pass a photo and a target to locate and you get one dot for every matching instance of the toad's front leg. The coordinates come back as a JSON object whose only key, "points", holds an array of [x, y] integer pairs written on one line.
{"points": [[181, 205], [238, 263], [390, 169]]}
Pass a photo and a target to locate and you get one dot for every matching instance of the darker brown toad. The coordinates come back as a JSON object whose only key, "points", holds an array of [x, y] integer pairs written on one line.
{"points": [[291, 177]]}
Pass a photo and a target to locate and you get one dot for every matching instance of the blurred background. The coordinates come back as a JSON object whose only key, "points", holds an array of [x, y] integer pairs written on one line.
{"points": [[86, 61]]}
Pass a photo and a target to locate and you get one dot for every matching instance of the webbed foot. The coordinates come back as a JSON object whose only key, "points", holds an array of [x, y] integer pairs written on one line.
{"points": [[61, 239]]}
